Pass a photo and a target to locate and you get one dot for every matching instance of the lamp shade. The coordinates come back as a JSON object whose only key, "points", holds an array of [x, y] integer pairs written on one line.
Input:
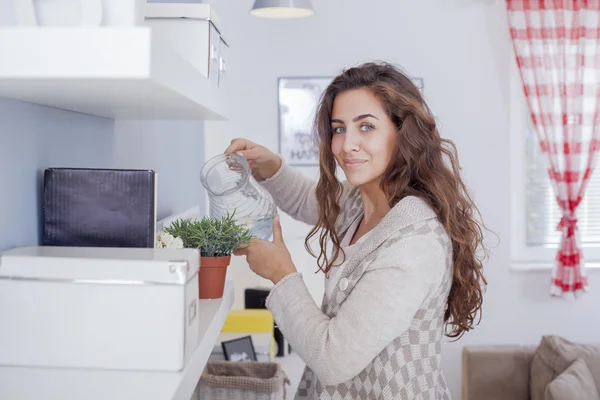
{"points": [[282, 8]]}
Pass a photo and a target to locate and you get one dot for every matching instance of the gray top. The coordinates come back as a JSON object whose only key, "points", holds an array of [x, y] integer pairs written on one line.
{"points": [[379, 337]]}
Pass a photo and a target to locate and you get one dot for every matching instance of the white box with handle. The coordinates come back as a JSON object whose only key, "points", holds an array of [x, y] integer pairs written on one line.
{"points": [[106, 308]]}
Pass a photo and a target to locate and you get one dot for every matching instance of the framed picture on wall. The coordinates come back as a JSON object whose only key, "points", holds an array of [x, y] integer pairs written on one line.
{"points": [[297, 99], [419, 83]]}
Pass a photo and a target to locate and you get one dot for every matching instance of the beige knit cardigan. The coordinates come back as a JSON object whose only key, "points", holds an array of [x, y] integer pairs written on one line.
{"points": [[379, 337]]}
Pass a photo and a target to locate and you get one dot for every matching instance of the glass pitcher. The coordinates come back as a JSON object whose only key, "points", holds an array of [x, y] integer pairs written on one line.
{"points": [[232, 188]]}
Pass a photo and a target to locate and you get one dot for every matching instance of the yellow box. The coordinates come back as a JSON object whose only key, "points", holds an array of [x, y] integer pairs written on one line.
{"points": [[252, 320]]}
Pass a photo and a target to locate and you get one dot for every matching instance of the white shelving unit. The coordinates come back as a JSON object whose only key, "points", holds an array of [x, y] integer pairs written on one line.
{"points": [[19, 383], [109, 72]]}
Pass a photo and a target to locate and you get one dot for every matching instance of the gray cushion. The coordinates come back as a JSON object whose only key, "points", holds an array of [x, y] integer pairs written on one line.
{"points": [[553, 356], [496, 372], [576, 382]]}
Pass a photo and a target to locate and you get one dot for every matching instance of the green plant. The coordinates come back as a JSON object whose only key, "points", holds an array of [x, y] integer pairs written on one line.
{"points": [[215, 237]]}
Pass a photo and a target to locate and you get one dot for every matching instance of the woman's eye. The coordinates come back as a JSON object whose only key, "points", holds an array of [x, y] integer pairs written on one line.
{"points": [[338, 129], [366, 127]]}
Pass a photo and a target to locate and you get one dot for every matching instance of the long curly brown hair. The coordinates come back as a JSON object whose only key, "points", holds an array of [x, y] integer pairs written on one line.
{"points": [[426, 166]]}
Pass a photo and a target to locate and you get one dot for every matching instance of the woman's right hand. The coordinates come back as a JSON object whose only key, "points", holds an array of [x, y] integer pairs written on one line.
{"points": [[263, 162]]}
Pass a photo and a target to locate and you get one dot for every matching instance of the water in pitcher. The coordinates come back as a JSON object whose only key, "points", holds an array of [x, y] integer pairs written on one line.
{"points": [[261, 227]]}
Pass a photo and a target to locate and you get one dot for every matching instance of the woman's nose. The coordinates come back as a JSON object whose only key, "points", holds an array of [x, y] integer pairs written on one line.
{"points": [[351, 142]]}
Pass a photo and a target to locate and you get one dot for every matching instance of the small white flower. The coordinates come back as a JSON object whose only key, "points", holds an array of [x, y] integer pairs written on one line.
{"points": [[165, 240], [177, 243]]}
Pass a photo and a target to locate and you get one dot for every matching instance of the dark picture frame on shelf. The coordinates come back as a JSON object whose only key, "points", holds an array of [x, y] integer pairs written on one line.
{"points": [[240, 349]]}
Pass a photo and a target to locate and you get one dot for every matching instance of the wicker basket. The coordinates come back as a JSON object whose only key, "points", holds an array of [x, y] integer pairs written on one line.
{"points": [[226, 380]]}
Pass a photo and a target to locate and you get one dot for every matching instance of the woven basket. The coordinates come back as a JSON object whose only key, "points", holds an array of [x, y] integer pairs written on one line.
{"points": [[226, 380]]}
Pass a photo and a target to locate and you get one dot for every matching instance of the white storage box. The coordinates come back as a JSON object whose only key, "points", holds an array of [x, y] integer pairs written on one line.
{"points": [[114, 308], [193, 31]]}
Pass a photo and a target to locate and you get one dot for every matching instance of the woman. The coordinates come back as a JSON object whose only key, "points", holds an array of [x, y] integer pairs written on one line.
{"points": [[398, 243]]}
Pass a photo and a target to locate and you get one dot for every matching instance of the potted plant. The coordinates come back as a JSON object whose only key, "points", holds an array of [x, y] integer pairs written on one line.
{"points": [[216, 238]]}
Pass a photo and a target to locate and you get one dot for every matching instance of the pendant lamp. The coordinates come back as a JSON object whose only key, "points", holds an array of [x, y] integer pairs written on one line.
{"points": [[282, 9]]}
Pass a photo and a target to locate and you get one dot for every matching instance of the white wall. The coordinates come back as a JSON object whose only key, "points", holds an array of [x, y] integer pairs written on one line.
{"points": [[462, 50], [33, 138], [174, 149]]}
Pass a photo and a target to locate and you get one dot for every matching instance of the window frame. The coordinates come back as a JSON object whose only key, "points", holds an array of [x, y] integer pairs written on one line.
{"points": [[524, 257]]}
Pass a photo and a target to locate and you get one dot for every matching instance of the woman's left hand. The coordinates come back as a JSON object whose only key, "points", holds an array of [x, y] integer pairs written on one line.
{"points": [[271, 260]]}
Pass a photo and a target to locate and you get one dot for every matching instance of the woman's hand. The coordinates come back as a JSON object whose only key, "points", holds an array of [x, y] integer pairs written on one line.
{"points": [[271, 260], [263, 162]]}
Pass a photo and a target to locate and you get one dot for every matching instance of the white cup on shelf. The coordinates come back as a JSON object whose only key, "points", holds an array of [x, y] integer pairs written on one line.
{"points": [[79, 12], [58, 12]]}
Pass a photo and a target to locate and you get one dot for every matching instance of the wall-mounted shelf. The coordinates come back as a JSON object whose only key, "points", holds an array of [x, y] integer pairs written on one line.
{"points": [[109, 72]]}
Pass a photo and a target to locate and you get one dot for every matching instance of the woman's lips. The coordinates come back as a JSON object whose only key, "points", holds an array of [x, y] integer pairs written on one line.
{"points": [[354, 163]]}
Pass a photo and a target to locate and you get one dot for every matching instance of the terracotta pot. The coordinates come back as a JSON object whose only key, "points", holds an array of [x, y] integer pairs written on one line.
{"points": [[211, 276]]}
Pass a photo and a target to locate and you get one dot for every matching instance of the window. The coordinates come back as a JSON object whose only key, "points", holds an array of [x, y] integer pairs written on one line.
{"points": [[534, 213], [542, 212]]}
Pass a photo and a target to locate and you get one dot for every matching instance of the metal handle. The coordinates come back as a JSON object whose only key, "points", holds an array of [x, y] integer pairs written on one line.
{"points": [[213, 52], [221, 64]]}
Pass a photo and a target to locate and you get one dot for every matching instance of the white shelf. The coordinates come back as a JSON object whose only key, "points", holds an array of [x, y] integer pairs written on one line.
{"points": [[109, 72], [19, 383]]}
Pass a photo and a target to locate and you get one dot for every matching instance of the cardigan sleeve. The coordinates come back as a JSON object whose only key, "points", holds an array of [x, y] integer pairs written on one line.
{"points": [[379, 309], [295, 193]]}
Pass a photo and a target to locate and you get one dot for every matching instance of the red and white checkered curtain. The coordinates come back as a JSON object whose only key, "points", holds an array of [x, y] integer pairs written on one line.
{"points": [[557, 44]]}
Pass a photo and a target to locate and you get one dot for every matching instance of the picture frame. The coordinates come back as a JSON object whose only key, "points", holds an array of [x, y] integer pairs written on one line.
{"points": [[420, 84], [297, 101], [240, 349]]}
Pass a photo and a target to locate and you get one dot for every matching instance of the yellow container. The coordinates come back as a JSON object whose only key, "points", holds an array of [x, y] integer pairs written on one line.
{"points": [[251, 320]]}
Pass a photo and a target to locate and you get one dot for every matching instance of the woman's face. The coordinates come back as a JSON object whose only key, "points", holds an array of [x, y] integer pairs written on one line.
{"points": [[363, 136]]}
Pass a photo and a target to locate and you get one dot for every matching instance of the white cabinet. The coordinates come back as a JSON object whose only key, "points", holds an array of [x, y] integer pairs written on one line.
{"points": [[129, 73]]}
